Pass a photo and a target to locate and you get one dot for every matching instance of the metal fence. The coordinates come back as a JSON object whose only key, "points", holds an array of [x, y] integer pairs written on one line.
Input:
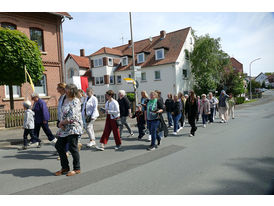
{"points": [[15, 118]]}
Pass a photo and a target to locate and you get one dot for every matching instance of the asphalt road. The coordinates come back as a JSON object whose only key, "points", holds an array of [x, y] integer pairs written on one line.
{"points": [[235, 158]]}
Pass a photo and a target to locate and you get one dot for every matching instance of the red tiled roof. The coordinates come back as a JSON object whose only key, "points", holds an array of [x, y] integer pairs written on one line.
{"points": [[66, 14], [106, 50], [174, 41], [82, 62]]}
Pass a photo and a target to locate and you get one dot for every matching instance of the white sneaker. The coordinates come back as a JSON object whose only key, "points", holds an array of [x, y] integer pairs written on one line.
{"points": [[102, 148], [179, 129], [222, 121], [190, 135], [204, 126], [174, 133], [171, 126], [33, 145], [184, 124], [91, 144], [118, 147], [149, 138], [53, 142]]}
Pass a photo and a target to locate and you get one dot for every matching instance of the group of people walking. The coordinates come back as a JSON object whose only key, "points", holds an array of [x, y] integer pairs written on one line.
{"points": [[78, 111]]}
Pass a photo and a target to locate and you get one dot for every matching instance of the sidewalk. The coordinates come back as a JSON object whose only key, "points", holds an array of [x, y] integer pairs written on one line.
{"points": [[12, 137]]}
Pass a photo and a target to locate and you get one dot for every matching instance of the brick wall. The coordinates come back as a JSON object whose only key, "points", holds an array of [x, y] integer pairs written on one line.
{"points": [[51, 56]]}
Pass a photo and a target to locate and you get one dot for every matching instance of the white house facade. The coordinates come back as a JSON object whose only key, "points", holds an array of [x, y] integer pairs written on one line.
{"points": [[262, 78], [163, 61]]}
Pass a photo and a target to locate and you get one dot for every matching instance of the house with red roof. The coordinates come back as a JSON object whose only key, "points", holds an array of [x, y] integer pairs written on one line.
{"points": [[162, 60]]}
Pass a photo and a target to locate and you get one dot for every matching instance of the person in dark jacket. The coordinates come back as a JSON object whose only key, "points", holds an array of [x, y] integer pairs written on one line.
{"points": [[176, 113], [125, 111], [141, 123], [191, 112], [162, 126], [169, 104], [41, 118]]}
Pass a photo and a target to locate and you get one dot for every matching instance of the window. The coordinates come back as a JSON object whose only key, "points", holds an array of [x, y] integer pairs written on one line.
{"points": [[159, 54], [101, 99], [143, 76], [37, 36], [129, 75], [124, 61], [110, 61], [191, 41], [40, 86], [119, 79], [16, 91], [101, 80], [98, 62], [71, 73], [157, 75], [97, 80], [140, 58], [111, 79], [184, 73], [7, 25]]}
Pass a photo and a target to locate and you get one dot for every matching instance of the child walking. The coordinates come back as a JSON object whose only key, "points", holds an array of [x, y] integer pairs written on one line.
{"points": [[29, 127], [140, 116]]}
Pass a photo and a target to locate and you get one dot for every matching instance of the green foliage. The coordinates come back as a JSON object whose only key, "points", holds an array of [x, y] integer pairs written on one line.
{"points": [[207, 63], [254, 85], [233, 83], [239, 100], [131, 97], [16, 51]]}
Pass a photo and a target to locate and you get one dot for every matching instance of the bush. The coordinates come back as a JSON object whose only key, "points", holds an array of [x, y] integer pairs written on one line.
{"points": [[239, 100], [131, 97]]}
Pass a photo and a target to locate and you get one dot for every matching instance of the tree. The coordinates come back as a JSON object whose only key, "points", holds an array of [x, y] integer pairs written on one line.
{"points": [[254, 85], [16, 52], [233, 83], [208, 61]]}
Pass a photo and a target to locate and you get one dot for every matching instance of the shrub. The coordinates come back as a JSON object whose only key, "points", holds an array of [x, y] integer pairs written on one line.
{"points": [[239, 100]]}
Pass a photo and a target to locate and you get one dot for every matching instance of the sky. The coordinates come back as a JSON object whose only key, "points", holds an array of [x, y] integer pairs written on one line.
{"points": [[244, 36]]}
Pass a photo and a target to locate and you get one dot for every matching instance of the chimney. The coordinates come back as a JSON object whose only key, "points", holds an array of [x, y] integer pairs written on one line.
{"points": [[82, 52], [162, 34]]}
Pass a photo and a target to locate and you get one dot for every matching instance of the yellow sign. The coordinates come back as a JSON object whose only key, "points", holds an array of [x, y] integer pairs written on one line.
{"points": [[130, 80]]}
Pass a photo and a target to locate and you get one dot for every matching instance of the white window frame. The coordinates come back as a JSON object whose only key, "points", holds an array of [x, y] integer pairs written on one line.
{"points": [[156, 54], [70, 72], [45, 87], [138, 58], [145, 74], [97, 78], [120, 79], [155, 75], [102, 80], [98, 62], [15, 95], [113, 79], [110, 62], [126, 61]]}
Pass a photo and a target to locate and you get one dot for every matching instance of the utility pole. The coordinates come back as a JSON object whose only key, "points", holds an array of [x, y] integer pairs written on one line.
{"points": [[133, 61]]}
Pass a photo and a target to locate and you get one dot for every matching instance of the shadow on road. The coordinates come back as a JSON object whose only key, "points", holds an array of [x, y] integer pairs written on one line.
{"points": [[33, 155], [260, 174], [28, 172]]}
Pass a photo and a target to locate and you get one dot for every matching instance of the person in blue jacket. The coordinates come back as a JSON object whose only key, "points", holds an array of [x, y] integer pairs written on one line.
{"points": [[41, 119]]}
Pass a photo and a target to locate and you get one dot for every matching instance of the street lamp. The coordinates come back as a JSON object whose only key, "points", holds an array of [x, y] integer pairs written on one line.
{"points": [[250, 92]]}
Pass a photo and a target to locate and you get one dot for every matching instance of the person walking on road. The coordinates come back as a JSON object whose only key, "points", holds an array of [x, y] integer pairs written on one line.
{"points": [[176, 114], [198, 114], [125, 111], [71, 127], [213, 102], [204, 109], [90, 113], [144, 101], [223, 106], [191, 112], [154, 108], [41, 119], [112, 122], [182, 101], [29, 127], [169, 106], [231, 106], [141, 123]]}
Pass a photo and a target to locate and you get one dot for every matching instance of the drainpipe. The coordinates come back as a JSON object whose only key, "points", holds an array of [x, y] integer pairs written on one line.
{"points": [[62, 49]]}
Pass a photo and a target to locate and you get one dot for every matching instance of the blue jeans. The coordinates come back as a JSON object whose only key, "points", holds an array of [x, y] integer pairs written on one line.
{"points": [[176, 121], [169, 118], [153, 126], [204, 117], [211, 115]]}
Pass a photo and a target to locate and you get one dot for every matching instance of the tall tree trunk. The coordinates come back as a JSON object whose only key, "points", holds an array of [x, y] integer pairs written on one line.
{"points": [[11, 97]]}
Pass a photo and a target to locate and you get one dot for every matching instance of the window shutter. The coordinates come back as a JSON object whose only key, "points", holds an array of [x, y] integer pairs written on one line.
{"points": [[106, 79], [105, 61]]}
